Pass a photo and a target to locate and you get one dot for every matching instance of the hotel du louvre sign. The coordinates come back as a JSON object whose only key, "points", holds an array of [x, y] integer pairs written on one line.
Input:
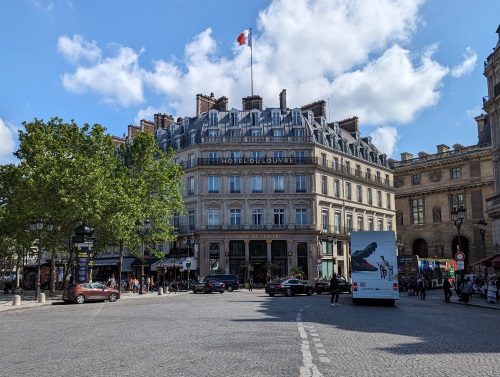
{"points": [[255, 161]]}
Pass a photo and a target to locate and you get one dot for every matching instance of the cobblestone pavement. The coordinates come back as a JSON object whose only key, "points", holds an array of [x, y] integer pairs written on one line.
{"points": [[250, 334]]}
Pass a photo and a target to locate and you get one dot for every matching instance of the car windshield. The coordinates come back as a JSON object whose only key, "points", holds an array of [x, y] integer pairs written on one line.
{"points": [[277, 281]]}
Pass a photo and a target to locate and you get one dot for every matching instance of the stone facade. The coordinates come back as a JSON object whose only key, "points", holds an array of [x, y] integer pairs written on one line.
{"points": [[428, 187], [492, 107], [267, 186]]}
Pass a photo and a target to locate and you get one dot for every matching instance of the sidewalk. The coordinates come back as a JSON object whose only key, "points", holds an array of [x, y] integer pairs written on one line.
{"points": [[438, 295], [28, 299]]}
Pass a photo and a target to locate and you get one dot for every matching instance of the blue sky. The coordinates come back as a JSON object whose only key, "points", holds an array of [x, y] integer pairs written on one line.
{"points": [[412, 71]]}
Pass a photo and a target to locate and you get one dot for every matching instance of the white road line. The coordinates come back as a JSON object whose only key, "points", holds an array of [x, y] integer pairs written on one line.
{"points": [[308, 368]]}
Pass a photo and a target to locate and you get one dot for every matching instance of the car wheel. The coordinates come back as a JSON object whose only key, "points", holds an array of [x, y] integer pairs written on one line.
{"points": [[221, 292], [80, 299], [271, 294], [229, 288], [113, 297], [310, 292], [318, 293], [288, 293], [194, 291]]}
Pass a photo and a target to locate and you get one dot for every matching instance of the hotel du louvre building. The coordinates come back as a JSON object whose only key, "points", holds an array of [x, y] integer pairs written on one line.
{"points": [[274, 187]]}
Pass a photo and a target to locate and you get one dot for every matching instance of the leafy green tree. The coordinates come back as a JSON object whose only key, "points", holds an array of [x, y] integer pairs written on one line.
{"points": [[67, 171]]}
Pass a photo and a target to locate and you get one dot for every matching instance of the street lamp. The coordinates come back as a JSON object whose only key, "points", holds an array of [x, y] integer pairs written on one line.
{"points": [[458, 215], [142, 229], [187, 244], [37, 226], [482, 229]]}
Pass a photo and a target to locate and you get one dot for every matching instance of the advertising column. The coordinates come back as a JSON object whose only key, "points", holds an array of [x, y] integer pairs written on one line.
{"points": [[83, 253]]}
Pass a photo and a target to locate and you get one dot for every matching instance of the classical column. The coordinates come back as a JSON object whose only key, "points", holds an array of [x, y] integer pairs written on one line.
{"points": [[247, 250]]}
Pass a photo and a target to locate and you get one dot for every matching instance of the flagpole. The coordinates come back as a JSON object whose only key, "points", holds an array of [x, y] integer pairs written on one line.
{"points": [[251, 60]]}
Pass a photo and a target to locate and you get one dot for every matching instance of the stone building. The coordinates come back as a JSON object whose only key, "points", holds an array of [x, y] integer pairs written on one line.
{"points": [[491, 104], [430, 186], [267, 186]]}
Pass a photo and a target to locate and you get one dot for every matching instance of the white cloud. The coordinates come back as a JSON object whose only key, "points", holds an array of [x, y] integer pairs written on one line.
{"points": [[117, 80], [467, 66], [78, 48], [474, 112], [352, 52], [8, 135], [385, 138]]}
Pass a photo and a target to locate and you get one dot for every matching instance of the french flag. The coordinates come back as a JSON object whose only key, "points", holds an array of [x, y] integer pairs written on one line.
{"points": [[245, 38]]}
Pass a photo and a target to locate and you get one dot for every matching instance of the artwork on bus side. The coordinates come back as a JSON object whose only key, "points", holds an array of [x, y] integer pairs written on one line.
{"points": [[360, 263]]}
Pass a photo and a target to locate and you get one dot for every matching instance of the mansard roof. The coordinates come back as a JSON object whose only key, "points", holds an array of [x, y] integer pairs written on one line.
{"points": [[269, 125]]}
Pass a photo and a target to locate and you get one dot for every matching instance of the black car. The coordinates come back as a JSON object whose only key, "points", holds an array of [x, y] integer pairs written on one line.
{"points": [[323, 285], [288, 287], [231, 281], [209, 285]]}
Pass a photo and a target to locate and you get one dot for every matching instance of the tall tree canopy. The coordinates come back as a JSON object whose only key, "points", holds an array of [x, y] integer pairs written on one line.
{"points": [[67, 173]]}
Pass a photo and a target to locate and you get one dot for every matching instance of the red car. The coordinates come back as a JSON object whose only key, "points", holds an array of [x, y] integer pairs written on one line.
{"points": [[83, 292]]}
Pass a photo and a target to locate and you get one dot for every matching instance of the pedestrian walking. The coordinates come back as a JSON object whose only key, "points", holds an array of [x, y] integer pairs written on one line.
{"points": [[112, 281], [334, 290], [250, 283], [268, 278], [148, 283], [447, 290], [422, 289], [466, 289]]}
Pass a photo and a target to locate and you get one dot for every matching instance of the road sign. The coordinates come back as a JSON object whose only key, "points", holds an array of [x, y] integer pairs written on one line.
{"points": [[319, 267], [460, 265], [459, 256], [319, 261]]}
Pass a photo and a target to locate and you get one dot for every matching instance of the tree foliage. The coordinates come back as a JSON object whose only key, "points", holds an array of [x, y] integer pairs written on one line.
{"points": [[67, 174]]}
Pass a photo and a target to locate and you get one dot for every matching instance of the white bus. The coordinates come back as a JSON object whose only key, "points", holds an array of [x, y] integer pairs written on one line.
{"points": [[374, 266]]}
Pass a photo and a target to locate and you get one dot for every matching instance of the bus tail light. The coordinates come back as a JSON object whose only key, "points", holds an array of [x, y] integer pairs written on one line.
{"points": [[354, 286], [394, 286]]}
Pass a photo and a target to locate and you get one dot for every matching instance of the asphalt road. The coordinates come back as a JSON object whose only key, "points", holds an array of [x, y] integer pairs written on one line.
{"points": [[250, 334]]}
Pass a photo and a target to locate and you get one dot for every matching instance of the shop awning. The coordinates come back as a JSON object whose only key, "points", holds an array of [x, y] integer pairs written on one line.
{"points": [[106, 262], [480, 261], [175, 262], [147, 261], [495, 261]]}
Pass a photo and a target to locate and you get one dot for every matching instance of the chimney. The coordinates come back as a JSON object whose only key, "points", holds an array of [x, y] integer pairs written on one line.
{"points": [[350, 125], [221, 104], [405, 157], [252, 102], [204, 103], [441, 148], [283, 101], [318, 108], [481, 123], [162, 121]]}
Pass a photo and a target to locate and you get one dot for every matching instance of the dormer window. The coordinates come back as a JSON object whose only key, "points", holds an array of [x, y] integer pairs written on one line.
{"points": [[275, 118], [296, 118], [233, 119], [255, 119], [213, 119]]}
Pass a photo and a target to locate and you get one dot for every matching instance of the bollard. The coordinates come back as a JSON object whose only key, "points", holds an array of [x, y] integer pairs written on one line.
{"points": [[160, 291], [41, 298], [17, 300], [165, 290]]}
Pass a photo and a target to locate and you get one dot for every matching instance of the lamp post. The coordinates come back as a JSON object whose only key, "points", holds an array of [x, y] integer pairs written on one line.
{"points": [[458, 215], [333, 240], [142, 229], [188, 243], [37, 226], [482, 229]]}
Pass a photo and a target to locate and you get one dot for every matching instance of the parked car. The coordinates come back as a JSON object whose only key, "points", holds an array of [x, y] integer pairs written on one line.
{"points": [[209, 285], [231, 281], [288, 287], [323, 285], [84, 292]]}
